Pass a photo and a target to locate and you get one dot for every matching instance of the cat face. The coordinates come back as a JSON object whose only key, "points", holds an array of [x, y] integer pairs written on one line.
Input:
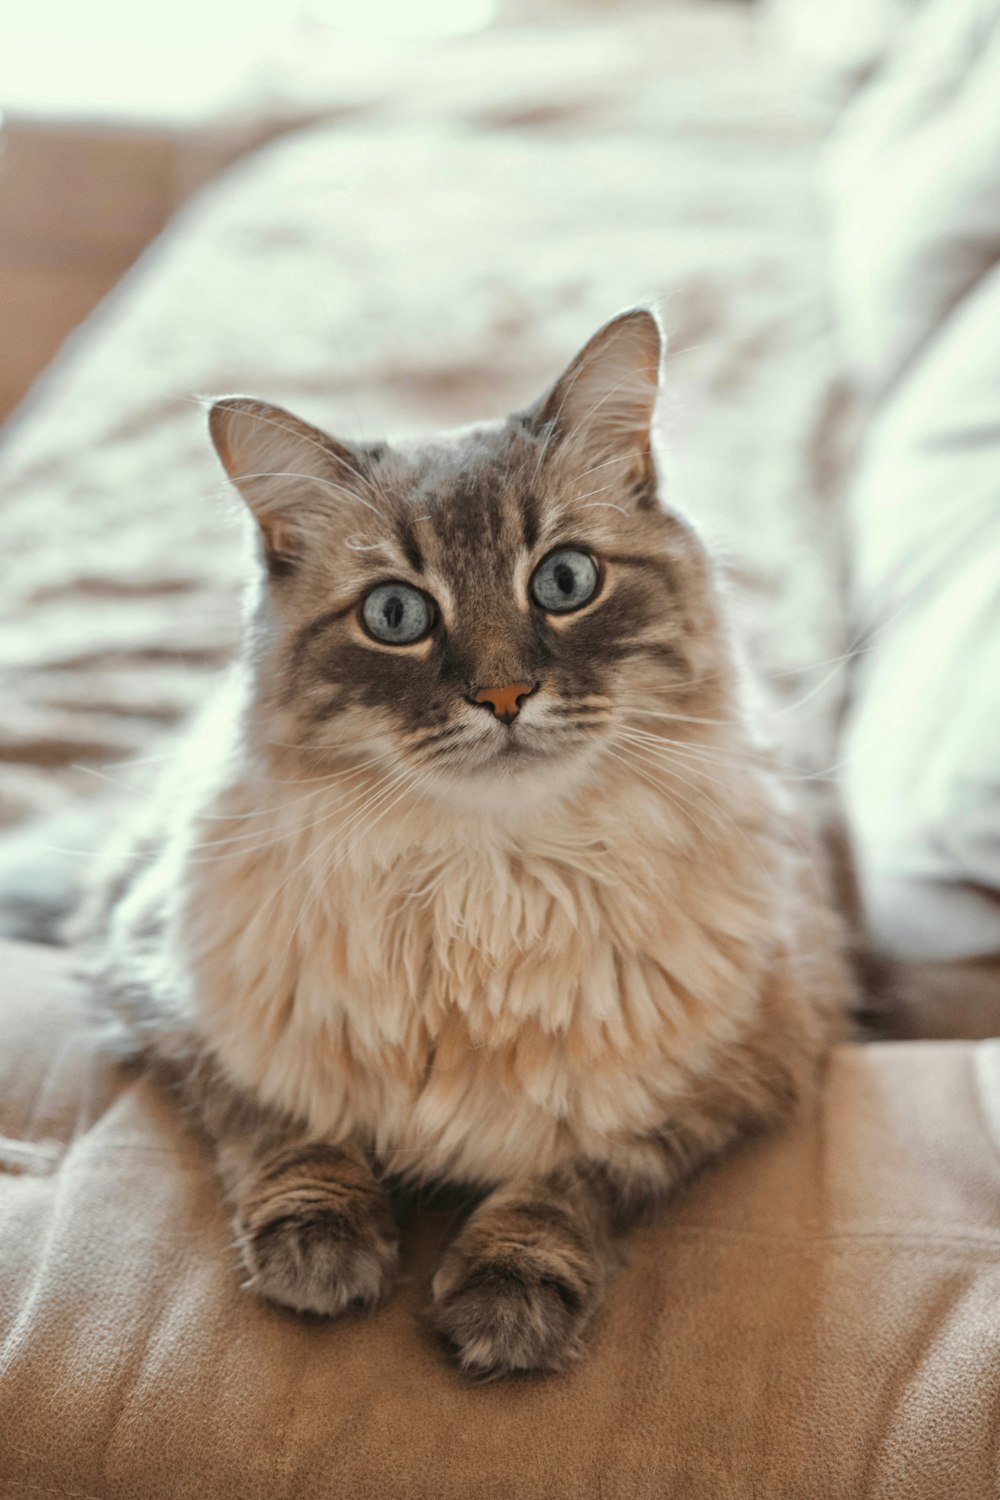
{"points": [[485, 608]]}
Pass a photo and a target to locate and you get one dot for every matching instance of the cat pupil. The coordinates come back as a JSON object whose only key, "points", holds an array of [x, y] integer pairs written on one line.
{"points": [[564, 578], [393, 612]]}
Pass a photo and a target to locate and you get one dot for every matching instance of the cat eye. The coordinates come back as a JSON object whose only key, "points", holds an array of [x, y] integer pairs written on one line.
{"points": [[397, 614], [564, 580]]}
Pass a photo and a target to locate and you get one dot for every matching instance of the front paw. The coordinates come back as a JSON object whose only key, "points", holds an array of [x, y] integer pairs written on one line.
{"points": [[510, 1301], [316, 1233]]}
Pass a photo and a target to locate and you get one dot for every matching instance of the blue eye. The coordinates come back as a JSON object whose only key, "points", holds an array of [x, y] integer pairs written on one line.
{"points": [[564, 580], [397, 614]]}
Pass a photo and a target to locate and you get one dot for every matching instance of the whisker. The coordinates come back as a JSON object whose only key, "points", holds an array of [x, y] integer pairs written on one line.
{"points": [[328, 484], [375, 800], [601, 489], [115, 781], [671, 748], [412, 784], [302, 437], [764, 758], [664, 713], [633, 768], [715, 810], [382, 788], [153, 791], [661, 751], [244, 840], [619, 458], [642, 750], [605, 505], [355, 546], [429, 736], [409, 785], [281, 836], [319, 784]]}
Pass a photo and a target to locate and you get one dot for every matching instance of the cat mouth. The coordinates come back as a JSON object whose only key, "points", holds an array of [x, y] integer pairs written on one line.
{"points": [[521, 745], [510, 748], [513, 749]]}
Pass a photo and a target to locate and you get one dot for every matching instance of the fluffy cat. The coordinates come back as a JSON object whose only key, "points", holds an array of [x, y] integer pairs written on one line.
{"points": [[472, 873]]}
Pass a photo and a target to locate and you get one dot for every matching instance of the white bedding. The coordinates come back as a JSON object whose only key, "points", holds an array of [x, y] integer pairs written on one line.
{"points": [[916, 199], [434, 260]]}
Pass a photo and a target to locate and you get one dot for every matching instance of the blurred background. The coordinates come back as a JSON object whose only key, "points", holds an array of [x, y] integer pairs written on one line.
{"points": [[395, 216]]}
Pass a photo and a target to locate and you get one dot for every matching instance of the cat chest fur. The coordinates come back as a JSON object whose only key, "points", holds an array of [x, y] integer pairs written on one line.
{"points": [[477, 1006]]}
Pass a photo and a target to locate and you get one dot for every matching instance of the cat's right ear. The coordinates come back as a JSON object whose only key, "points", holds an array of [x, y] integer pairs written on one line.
{"points": [[290, 474], [601, 408]]}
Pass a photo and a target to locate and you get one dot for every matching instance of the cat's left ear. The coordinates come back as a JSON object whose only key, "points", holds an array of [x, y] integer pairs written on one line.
{"points": [[601, 408], [294, 477]]}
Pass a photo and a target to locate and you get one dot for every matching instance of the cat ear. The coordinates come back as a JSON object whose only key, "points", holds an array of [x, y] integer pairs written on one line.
{"points": [[290, 474], [602, 406]]}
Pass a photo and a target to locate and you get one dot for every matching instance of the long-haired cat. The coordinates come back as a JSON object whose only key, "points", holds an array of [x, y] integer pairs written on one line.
{"points": [[472, 874]]}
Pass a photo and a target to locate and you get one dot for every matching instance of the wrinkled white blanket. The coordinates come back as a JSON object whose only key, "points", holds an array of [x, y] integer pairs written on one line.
{"points": [[433, 261]]}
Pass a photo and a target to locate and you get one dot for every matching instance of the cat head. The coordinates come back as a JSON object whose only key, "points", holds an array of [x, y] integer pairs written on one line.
{"points": [[487, 607]]}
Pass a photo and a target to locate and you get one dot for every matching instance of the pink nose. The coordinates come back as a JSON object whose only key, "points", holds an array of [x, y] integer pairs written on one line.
{"points": [[505, 701]]}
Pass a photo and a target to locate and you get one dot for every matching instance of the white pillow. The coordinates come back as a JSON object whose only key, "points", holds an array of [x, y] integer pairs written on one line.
{"points": [[916, 236], [922, 773]]}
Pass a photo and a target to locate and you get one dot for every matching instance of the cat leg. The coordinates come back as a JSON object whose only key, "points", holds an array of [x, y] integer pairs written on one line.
{"points": [[314, 1226], [518, 1286], [315, 1229], [521, 1281]]}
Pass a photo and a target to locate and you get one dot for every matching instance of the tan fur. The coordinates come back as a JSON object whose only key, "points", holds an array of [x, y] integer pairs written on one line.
{"points": [[569, 980]]}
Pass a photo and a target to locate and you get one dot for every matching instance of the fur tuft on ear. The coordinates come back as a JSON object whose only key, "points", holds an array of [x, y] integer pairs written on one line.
{"points": [[288, 472], [602, 406]]}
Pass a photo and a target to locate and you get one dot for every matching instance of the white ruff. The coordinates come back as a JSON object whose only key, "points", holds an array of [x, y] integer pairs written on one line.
{"points": [[480, 996]]}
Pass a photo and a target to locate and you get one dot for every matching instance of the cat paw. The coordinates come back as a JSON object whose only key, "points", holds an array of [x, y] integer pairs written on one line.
{"points": [[317, 1234], [508, 1306]]}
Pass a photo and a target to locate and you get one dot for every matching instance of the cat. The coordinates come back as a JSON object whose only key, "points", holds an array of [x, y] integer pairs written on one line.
{"points": [[473, 873]]}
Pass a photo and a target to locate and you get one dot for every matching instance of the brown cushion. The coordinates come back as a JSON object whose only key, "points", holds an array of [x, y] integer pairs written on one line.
{"points": [[820, 1317]]}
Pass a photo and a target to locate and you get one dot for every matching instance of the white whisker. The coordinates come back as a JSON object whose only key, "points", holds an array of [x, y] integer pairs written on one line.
{"points": [[327, 484], [605, 505], [328, 452]]}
